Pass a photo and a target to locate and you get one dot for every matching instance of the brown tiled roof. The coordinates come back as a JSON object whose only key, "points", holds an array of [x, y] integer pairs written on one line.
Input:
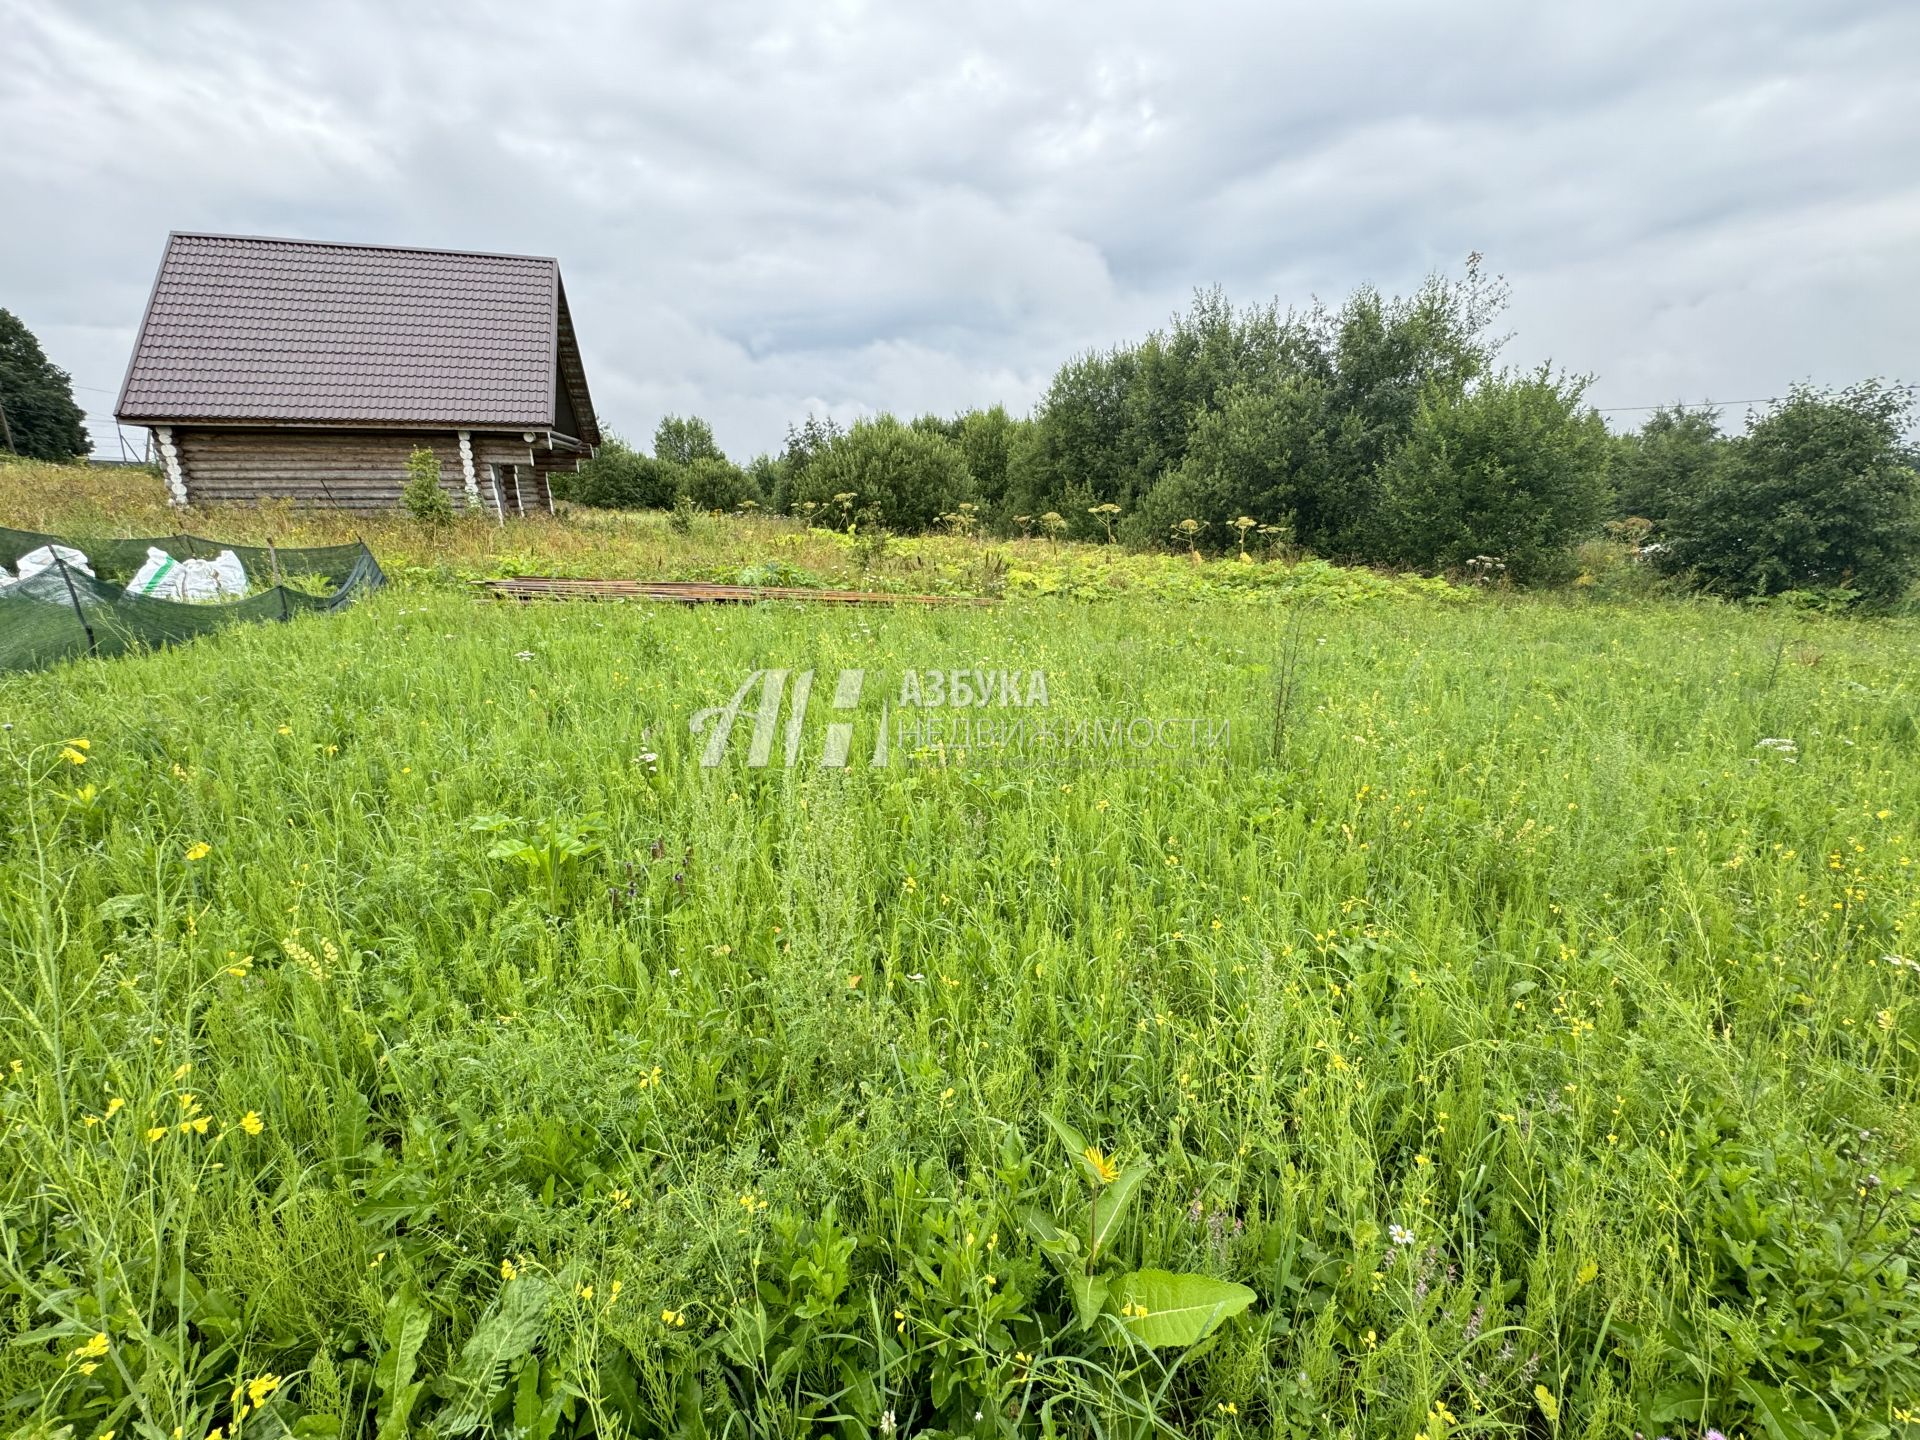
{"points": [[293, 331]]}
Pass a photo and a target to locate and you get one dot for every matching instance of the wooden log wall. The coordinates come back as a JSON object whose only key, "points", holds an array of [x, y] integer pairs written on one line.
{"points": [[356, 469], [343, 469]]}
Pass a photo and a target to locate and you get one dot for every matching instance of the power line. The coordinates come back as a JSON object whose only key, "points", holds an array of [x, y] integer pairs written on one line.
{"points": [[1686, 405]]}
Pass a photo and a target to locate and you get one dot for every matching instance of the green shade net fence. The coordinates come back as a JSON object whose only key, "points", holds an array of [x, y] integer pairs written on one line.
{"points": [[62, 612]]}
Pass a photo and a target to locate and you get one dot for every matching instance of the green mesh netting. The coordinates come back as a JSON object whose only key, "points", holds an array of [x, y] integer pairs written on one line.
{"points": [[62, 612]]}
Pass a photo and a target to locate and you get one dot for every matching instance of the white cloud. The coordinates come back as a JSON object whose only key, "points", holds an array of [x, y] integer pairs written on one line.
{"points": [[763, 209]]}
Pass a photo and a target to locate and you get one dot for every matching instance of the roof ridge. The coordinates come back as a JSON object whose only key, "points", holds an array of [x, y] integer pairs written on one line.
{"points": [[173, 235]]}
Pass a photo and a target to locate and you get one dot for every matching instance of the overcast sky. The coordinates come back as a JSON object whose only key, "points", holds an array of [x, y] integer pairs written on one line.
{"points": [[762, 210]]}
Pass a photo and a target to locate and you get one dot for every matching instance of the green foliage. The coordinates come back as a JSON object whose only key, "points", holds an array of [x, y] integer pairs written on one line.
{"points": [[1661, 471], [988, 440], [805, 444], [424, 497], [1515, 470], [1266, 453], [1819, 494], [36, 396], [618, 477], [687, 469], [1153, 1308], [684, 512], [1157, 1308], [402, 1334], [550, 853], [681, 440], [903, 477], [504, 1338], [714, 483], [1285, 417], [1076, 446]]}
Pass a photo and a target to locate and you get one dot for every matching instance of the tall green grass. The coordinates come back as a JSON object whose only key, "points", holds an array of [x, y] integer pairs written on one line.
{"points": [[1535, 1042]]}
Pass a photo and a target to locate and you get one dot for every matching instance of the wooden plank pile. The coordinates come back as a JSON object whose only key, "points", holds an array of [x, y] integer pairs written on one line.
{"points": [[698, 592]]}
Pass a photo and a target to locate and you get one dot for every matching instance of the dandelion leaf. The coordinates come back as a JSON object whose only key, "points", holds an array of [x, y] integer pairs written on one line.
{"points": [[506, 1333], [402, 1333]]}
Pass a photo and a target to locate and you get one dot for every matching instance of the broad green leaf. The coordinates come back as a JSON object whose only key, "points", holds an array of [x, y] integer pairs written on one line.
{"points": [[1062, 1247], [1075, 1142], [1159, 1308], [403, 1332], [1089, 1294], [505, 1334], [1111, 1204]]}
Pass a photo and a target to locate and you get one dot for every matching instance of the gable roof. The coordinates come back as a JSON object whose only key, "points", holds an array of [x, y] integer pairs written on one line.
{"points": [[258, 331]]}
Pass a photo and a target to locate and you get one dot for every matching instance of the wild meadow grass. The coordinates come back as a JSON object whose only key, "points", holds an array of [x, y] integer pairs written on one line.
{"points": [[405, 1033]]}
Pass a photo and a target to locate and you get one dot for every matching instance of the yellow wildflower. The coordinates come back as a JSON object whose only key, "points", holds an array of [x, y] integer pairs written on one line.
{"points": [[93, 1349], [259, 1390], [158, 1132], [72, 756], [1102, 1165], [252, 1123], [508, 1270], [199, 851]]}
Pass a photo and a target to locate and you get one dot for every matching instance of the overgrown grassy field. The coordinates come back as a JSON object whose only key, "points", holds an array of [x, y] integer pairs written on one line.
{"points": [[408, 1034]]}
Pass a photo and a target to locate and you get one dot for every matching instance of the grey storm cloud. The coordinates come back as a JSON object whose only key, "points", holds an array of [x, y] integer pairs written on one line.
{"points": [[764, 210]]}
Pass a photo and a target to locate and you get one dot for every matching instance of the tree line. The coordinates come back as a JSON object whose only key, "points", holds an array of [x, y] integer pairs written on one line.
{"points": [[38, 416], [1382, 431]]}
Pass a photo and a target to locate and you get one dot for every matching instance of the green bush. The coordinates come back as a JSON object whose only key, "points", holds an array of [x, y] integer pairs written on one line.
{"points": [[714, 483], [619, 477], [1818, 495], [423, 495], [905, 478], [1656, 472], [987, 439], [1514, 471], [1116, 424], [1267, 453]]}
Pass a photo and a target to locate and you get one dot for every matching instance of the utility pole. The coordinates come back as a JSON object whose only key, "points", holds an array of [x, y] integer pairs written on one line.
{"points": [[5, 428]]}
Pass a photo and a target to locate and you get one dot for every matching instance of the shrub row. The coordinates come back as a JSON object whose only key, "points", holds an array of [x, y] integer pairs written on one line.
{"points": [[1381, 433]]}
